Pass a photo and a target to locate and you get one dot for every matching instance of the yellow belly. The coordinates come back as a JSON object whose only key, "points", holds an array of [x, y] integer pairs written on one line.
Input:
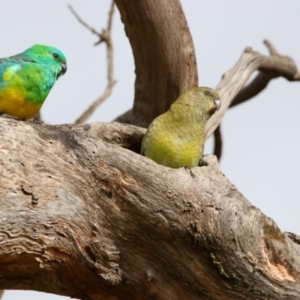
{"points": [[14, 104]]}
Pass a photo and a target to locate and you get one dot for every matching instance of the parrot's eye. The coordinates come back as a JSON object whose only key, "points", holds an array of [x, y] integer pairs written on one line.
{"points": [[207, 93], [55, 55]]}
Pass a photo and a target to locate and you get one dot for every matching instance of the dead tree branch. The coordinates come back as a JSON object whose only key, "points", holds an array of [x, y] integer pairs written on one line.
{"points": [[104, 36], [231, 86], [258, 84], [261, 81]]}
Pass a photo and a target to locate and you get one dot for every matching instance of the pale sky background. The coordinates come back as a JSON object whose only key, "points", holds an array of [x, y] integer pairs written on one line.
{"points": [[262, 141]]}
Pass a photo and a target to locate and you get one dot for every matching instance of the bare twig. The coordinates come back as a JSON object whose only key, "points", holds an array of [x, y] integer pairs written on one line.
{"points": [[81, 21], [104, 36]]}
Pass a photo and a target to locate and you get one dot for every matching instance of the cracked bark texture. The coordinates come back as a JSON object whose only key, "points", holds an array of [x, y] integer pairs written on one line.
{"points": [[85, 216]]}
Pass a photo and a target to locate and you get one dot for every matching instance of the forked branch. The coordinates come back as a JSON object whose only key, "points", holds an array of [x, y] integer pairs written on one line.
{"points": [[104, 36], [231, 88]]}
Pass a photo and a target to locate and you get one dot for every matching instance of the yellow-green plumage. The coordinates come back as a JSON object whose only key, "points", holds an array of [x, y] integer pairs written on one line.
{"points": [[176, 138]]}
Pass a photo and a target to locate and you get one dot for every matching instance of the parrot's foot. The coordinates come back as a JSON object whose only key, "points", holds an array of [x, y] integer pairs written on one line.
{"points": [[202, 163], [189, 169]]}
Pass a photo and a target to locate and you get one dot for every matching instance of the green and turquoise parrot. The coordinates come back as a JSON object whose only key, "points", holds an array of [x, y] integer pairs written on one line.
{"points": [[176, 138], [27, 78]]}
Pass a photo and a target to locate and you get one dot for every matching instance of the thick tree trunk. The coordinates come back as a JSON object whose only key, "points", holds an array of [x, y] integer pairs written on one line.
{"points": [[163, 50], [83, 216]]}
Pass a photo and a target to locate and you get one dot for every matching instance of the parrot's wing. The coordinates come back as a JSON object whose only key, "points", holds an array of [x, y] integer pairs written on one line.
{"points": [[17, 59], [15, 64]]}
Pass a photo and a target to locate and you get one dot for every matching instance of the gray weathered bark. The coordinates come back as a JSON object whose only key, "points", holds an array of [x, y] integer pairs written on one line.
{"points": [[84, 216]]}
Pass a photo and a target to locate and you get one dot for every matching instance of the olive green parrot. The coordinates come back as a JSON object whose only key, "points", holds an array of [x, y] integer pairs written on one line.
{"points": [[176, 138]]}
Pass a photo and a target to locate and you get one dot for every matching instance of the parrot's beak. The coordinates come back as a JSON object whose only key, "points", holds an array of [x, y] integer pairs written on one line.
{"points": [[63, 68], [217, 103]]}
